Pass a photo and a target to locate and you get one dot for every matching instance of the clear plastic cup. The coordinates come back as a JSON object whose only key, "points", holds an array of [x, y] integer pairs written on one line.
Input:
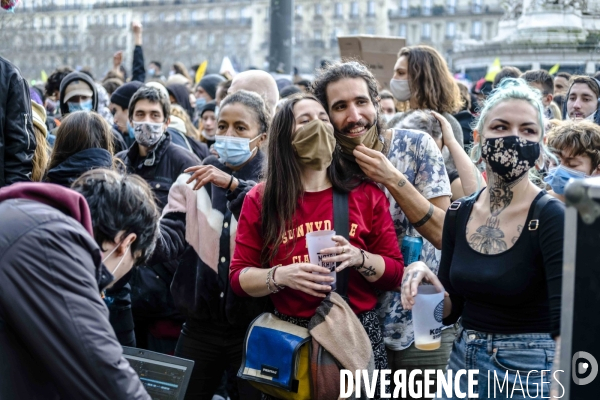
{"points": [[317, 241], [427, 315]]}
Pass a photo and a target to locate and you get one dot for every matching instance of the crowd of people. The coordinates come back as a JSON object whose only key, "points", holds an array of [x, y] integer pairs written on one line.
{"points": [[165, 214]]}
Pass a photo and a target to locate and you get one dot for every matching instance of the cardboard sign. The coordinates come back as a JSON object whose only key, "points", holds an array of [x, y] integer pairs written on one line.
{"points": [[380, 53]]}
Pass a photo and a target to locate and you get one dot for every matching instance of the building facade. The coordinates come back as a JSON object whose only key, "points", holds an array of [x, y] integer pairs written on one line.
{"points": [[44, 34]]}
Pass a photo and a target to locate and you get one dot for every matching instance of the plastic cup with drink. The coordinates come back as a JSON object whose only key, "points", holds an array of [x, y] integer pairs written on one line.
{"points": [[427, 315], [317, 241]]}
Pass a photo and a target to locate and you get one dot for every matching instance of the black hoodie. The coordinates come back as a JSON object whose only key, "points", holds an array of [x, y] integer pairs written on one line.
{"points": [[77, 76], [182, 97]]}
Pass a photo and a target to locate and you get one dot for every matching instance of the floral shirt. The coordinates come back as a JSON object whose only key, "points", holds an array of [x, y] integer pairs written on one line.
{"points": [[416, 155]]}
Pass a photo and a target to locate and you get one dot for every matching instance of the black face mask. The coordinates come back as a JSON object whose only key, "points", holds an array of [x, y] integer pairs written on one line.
{"points": [[510, 157]]}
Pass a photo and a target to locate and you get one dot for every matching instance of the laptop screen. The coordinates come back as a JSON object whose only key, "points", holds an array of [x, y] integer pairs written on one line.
{"points": [[162, 379]]}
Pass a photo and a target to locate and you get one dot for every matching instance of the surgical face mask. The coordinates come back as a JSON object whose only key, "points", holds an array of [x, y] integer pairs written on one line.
{"points": [[120, 261], [83, 106], [200, 102], [148, 133], [591, 116], [558, 178], [314, 144], [130, 130], [510, 157], [400, 89], [151, 71], [370, 139], [233, 150]]}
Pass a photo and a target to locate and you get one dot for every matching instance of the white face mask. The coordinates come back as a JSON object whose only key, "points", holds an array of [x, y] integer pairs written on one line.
{"points": [[591, 116], [120, 261], [400, 89], [207, 136]]}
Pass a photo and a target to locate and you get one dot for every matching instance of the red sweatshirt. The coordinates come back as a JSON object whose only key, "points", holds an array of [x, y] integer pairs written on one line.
{"points": [[371, 229]]}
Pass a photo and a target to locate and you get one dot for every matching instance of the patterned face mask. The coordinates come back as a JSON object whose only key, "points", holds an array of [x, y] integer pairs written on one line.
{"points": [[510, 157], [148, 133]]}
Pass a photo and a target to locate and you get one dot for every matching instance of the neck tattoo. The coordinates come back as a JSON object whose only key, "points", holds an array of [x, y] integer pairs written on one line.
{"points": [[489, 238]]}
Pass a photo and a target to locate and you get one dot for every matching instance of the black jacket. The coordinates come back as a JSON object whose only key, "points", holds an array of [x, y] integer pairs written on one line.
{"points": [[138, 71], [17, 141], [161, 167], [150, 297], [68, 171], [55, 338], [118, 298], [77, 76]]}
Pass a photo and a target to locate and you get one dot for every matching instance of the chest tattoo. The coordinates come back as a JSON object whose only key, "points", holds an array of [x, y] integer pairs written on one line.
{"points": [[489, 238]]}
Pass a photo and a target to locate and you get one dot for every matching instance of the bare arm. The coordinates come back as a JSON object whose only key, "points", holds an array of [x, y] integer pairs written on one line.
{"points": [[416, 207], [470, 178]]}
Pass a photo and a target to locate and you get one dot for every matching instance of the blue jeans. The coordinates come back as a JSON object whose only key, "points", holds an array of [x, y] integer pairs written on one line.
{"points": [[512, 362]]}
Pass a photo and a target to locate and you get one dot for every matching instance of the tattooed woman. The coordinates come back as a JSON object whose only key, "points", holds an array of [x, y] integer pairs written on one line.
{"points": [[502, 255], [297, 198]]}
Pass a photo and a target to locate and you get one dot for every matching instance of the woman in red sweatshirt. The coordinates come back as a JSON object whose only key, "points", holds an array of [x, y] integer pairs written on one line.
{"points": [[297, 198]]}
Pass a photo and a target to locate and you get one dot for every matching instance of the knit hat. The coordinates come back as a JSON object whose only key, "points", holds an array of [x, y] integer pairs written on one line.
{"points": [[39, 117], [210, 106], [160, 87], [124, 93], [209, 83], [77, 88]]}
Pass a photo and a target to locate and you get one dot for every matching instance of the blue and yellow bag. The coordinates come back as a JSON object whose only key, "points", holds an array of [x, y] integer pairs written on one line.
{"points": [[275, 358]]}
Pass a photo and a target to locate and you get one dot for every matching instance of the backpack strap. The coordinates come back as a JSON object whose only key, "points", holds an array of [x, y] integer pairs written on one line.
{"points": [[534, 223], [452, 213], [341, 225]]}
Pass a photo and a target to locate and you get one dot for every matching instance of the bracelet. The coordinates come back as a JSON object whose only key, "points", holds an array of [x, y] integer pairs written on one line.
{"points": [[358, 268], [278, 286], [425, 218], [230, 182], [269, 282]]}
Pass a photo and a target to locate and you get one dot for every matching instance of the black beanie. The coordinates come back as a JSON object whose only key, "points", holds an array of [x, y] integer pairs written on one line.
{"points": [[210, 106], [209, 84], [124, 93]]}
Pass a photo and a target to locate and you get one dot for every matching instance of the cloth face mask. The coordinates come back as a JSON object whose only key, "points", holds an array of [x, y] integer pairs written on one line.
{"points": [[148, 133], [558, 178], [400, 89], [510, 157], [314, 144], [369, 139]]}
